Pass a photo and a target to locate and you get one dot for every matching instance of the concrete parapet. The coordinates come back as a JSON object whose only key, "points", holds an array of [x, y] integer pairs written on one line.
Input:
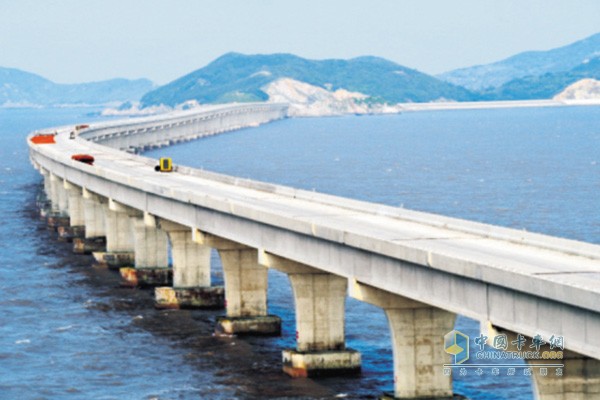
{"points": [[321, 363], [211, 297], [161, 131], [268, 325]]}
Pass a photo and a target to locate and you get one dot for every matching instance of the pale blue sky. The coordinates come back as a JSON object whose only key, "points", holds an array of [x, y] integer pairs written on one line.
{"points": [[83, 40]]}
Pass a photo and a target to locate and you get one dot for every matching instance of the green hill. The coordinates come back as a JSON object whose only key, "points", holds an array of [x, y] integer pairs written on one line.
{"points": [[543, 86], [530, 63], [239, 77]]}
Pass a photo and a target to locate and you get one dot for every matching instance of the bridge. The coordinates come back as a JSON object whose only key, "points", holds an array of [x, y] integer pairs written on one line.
{"points": [[421, 269]]}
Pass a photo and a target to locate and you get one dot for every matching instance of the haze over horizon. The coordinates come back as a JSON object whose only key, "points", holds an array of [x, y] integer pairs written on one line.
{"points": [[70, 41]]}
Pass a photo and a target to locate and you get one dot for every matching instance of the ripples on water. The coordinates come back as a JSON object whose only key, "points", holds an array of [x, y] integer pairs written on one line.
{"points": [[68, 330]]}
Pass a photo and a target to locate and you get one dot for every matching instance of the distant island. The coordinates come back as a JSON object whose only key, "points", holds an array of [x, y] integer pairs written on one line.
{"points": [[361, 85], [375, 85], [238, 77], [24, 89], [523, 69]]}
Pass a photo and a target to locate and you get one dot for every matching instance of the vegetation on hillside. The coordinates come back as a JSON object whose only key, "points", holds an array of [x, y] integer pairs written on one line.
{"points": [[238, 77], [527, 64], [543, 86]]}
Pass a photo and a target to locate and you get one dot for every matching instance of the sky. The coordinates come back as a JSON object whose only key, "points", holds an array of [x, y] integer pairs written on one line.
{"points": [[72, 41]]}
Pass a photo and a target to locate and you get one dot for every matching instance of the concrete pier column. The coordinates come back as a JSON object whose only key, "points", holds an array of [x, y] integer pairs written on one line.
{"points": [[58, 215], [75, 204], [151, 266], [63, 196], [95, 227], [191, 273], [43, 201], [76, 227], [119, 236], [47, 182], [319, 299], [93, 214], [246, 286], [418, 332], [55, 183], [577, 378]]}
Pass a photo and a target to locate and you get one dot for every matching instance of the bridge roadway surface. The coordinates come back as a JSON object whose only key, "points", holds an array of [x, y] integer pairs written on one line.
{"points": [[520, 281]]}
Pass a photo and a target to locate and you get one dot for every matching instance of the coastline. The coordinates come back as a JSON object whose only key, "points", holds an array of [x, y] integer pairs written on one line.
{"points": [[495, 104], [440, 106], [328, 112]]}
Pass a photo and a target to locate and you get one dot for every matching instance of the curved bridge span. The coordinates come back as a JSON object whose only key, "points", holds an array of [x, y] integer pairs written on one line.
{"points": [[422, 269]]}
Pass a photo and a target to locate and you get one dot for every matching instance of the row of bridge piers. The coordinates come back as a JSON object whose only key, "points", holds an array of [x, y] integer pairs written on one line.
{"points": [[138, 245]]}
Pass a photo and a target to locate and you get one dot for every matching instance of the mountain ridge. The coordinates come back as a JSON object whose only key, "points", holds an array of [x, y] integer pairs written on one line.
{"points": [[26, 89], [374, 81], [240, 77], [544, 86], [528, 63]]}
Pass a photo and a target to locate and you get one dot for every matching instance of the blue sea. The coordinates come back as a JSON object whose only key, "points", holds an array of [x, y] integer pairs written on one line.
{"points": [[68, 330]]}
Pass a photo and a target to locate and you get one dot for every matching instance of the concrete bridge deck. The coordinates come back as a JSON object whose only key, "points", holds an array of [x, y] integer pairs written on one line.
{"points": [[517, 281]]}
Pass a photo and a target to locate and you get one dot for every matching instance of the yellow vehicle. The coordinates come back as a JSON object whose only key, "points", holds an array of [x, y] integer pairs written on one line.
{"points": [[165, 164]]}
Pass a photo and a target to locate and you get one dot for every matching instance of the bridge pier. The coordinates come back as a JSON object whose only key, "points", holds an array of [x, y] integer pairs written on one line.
{"points": [[319, 299], [418, 331], [191, 273], [151, 254], [119, 236], [44, 202], [62, 195], [95, 226], [76, 227], [246, 284], [579, 379], [47, 182], [58, 215]]}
